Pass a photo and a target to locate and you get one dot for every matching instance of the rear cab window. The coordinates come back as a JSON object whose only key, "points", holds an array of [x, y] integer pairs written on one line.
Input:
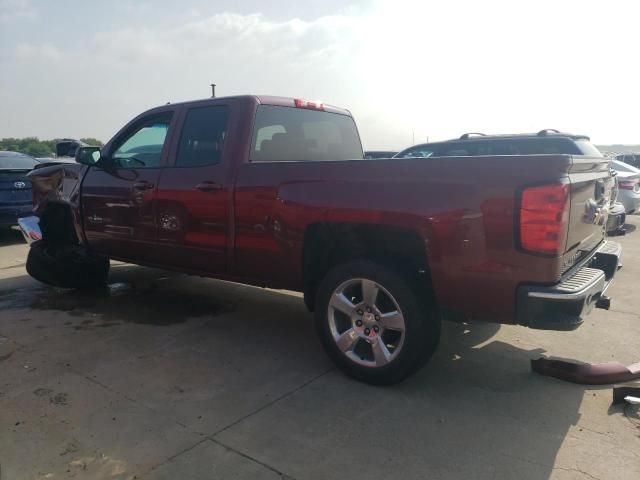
{"points": [[284, 134]]}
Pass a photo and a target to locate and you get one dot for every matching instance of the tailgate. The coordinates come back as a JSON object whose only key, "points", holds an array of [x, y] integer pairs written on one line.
{"points": [[591, 186]]}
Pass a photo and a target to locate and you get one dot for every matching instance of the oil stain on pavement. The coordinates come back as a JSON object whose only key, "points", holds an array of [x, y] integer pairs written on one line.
{"points": [[135, 295]]}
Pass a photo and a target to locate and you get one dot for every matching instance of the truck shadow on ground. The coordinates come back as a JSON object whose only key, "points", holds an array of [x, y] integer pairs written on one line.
{"points": [[475, 411], [134, 295]]}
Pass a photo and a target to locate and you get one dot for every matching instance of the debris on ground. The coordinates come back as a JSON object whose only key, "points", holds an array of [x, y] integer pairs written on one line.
{"points": [[587, 373]]}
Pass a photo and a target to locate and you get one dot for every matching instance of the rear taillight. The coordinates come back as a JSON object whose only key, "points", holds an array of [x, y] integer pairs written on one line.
{"points": [[544, 218], [629, 184]]}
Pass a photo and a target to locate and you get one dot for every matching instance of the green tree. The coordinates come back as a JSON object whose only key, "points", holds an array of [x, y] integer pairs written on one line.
{"points": [[94, 142], [36, 147]]}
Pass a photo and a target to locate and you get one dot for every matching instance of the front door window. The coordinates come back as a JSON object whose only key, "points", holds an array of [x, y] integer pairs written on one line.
{"points": [[143, 148]]}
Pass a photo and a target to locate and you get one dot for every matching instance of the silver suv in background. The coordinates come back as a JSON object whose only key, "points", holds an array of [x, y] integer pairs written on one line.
{"points": [[548, 141]]}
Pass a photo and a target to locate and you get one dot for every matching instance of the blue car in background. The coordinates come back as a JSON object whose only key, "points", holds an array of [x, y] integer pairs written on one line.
{"points": [[15, 188]]}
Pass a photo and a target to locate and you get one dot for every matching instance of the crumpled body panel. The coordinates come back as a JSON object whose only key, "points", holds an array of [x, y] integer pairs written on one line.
{"points": [[58, 183]]}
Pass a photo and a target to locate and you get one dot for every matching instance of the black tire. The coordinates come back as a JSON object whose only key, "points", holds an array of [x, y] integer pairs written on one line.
{"points": [[417, 306], [68, 266]]}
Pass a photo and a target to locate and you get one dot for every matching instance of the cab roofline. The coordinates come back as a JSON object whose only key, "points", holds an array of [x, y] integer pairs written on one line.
{"points": [[259, 99]]}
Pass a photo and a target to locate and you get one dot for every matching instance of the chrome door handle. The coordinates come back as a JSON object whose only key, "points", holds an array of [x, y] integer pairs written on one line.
{"points": [[207, 186]]}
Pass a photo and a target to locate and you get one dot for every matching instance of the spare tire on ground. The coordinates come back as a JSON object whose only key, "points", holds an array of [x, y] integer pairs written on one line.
{"points": [[67, 266]]}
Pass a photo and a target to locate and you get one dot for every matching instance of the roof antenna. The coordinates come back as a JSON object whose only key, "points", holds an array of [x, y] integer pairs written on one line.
{"points": [[213, 90]]}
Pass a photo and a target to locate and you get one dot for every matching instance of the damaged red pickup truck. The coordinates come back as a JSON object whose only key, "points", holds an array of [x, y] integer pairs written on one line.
{"points": [[275, 192]]}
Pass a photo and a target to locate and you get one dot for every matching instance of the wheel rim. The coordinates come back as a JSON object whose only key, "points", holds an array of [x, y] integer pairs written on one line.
{"points": [[366, 322]]}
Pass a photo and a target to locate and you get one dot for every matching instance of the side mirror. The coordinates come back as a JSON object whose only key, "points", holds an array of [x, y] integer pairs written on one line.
{"points": [[88, 155]]}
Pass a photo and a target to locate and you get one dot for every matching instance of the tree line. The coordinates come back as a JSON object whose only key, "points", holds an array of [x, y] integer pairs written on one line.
{"points": [[36, 147]]}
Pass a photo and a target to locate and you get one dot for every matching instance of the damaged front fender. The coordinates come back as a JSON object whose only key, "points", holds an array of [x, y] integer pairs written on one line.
{"points": [[56, 201], [59, 182]]}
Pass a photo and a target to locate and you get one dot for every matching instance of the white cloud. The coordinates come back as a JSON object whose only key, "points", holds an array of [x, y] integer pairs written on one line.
{"points": [[227, 35], [29, 52], [122, 72], [13, 10], [406, 67]]}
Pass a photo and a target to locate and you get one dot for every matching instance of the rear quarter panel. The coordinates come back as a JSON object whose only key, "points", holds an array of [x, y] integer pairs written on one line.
{"points": [[463, 207]]}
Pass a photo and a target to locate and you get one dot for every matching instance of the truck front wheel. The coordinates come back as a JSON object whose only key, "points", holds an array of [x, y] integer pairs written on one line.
{"points": [[375, 324], [67, 266]]}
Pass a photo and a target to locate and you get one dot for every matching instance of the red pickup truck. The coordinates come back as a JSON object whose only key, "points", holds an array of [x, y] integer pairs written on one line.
{"points": [[275, 192]]}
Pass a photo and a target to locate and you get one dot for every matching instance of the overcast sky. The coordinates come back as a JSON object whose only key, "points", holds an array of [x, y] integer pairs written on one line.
{"points": [[437, 68]]}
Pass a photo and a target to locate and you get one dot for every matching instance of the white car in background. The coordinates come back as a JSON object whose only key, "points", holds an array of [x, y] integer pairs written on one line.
{"points": [[628, 185]]}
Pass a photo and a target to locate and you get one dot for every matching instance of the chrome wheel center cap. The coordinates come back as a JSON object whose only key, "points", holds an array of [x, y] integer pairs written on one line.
{"points": [[368, 319]]}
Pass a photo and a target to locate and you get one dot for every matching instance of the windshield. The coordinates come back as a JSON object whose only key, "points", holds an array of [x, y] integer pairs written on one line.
{"points": [[18, 161]]}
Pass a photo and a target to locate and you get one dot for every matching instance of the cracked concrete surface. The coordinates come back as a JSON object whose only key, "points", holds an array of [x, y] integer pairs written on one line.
{"points": [[167, 376]]}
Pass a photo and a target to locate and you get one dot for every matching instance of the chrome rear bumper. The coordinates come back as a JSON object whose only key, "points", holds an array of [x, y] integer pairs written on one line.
{"points": [[564, 306]]}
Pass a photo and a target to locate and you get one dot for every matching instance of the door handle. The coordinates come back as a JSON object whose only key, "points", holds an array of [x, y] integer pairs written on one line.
{"points": [[208, 186], [143, 185]]}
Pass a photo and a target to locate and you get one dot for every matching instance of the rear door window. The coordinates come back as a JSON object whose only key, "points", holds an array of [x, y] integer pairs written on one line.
{"points": [[296, 134], [203, 136]]}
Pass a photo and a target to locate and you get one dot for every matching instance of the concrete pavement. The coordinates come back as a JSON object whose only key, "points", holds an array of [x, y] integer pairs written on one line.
{"points": [[173, 377]]}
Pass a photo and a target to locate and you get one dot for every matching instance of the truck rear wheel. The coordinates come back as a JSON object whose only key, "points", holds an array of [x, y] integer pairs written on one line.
{"points": [[374, 323], [67, 266]]}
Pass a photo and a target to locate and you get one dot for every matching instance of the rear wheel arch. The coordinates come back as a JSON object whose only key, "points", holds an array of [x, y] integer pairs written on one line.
{"points": [[329, 244]]}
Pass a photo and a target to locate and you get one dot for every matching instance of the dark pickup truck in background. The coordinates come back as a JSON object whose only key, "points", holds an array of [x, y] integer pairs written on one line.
{"points": [[275, 192]]}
